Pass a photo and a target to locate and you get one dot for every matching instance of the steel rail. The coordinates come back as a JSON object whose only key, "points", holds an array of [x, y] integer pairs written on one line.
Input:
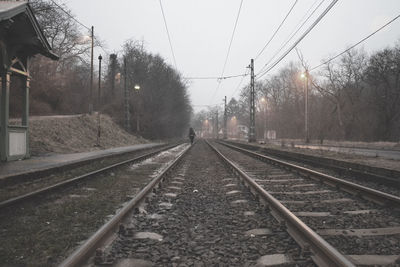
{"points": [[21, 177], [377, 174], [323, 253], [15, 200], [376, 196], [84, 252]]}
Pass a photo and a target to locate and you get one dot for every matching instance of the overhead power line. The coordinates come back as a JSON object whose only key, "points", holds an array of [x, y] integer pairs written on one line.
{"points": [[276, 31], [69, 15], [215, 78], [293, 33], [299, 40], [233, 34], [229, 50], [359, 42], [77, 21], [169, 37], [240, 83]]}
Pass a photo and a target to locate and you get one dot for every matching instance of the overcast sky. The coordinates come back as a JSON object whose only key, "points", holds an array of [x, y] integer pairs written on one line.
{"points": [[201, 30]]}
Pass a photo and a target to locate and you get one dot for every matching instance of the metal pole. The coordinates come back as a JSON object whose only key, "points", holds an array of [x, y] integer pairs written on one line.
{"points": [[126, 98], [225, 121], [91, 74], [307, 138], [98, 103], [252, 135], [113, 59], [216, 128], [265, 120]]}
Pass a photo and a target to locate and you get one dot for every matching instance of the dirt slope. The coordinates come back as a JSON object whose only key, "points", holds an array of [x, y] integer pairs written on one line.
{"points": [[76, 133]]}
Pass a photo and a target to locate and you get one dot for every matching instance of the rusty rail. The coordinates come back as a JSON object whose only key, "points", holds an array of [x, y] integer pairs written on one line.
{"points": [[376, 196], [57, 186], [323, 254], [84, 252]]}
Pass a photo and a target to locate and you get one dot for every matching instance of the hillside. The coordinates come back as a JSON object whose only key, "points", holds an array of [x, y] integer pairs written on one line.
{"points": [[76, 133]]}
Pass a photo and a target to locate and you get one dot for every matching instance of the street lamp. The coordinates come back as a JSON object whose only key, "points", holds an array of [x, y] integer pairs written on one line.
{"points": [[137, 88], [305, 76]]}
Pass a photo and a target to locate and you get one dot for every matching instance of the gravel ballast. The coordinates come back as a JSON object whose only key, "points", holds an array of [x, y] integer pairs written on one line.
{"points": [[202, 217]]}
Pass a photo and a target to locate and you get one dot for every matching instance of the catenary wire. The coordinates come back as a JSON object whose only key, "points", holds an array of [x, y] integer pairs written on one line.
{"points": [[232, 36], [169, 37], [229, 49], [356, 44], [299, 40], [294, 32], [215, 78], [276, 31], [240, 83]]}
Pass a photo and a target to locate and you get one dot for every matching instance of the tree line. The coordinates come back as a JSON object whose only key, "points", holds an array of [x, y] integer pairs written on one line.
{"points": [[356, 97], [160, 109]]}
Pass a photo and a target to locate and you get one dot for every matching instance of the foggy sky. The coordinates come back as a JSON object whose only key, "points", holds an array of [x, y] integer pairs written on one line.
{"points": [[201, 31]]}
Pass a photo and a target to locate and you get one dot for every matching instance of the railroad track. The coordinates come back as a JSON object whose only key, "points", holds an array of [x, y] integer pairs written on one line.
{"points": [[13, 194], [192, 211], [366, 232], [383, 179], [40, 229], [201, 216]]}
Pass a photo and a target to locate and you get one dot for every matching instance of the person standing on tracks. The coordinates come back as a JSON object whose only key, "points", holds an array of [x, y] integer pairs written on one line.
{"points": [[192, 134]]}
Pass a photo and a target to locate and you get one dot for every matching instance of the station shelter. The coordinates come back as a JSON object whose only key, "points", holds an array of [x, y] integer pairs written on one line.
{"points": [[20, 39]]}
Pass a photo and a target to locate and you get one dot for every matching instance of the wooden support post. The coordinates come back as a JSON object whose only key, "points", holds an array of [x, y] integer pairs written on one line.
{"points": [[5, 94], [25, 113]]}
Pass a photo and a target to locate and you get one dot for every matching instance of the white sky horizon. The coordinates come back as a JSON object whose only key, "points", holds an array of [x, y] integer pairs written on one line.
{"points": [[201, 30]]}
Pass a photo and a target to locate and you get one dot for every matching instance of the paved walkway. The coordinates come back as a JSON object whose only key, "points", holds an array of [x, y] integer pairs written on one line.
{"points": [[42, 163]]}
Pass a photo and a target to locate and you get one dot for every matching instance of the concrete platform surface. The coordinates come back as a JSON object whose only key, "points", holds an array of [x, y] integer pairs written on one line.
{"points": [[33, 164]]}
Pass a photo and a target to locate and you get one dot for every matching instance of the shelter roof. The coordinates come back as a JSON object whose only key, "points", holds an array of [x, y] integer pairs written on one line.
{"points": [[23, 28]]}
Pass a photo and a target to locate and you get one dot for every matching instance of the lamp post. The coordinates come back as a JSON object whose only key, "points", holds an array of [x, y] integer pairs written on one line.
{"points": [[305, 77], [137, 88], [98, 103]]}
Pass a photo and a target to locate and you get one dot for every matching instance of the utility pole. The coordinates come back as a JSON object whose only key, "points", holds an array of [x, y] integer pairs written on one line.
{"points": [[113, 59], [252, 133], [126, 102], [307, 137], [98, 103], [225, 121], [216, 122], [91, 74]]}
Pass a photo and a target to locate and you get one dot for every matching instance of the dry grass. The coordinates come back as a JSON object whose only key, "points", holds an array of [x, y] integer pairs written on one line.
{"points": [[76, 133]]}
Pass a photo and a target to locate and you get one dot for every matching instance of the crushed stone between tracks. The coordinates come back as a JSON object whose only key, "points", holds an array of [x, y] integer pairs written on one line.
{"points": [[200, 218]]}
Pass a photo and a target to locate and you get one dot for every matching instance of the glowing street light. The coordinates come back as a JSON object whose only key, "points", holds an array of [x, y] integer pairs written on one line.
{"points": [[136, 87]]}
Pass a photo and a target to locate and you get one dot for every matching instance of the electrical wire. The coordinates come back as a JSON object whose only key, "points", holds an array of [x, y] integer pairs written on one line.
{"points": [[169, 37], [215, 78], [77, 21], [276, 31], [229, 49], [233, 34], [299, 40], [240, 83], [69, 15], [293, 33], [356, 44]]}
